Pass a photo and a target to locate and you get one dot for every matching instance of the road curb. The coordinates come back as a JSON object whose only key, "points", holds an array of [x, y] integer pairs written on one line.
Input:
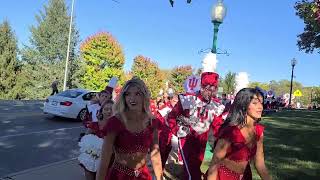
{"points": [[22, 101], [12, 175]]}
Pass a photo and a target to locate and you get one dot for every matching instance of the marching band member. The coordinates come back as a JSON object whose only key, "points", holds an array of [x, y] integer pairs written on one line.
{"points": [[194, 115]]}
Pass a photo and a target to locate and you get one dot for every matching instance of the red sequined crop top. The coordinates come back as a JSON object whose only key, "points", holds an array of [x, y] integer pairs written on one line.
{"points": [[130, 142], [239, 150]]}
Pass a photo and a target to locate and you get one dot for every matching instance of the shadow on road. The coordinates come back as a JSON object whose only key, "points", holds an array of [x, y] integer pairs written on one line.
{"points": [[61, 119]]}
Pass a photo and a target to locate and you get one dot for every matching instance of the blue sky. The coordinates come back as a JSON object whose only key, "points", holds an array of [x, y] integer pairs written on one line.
{"points": [[259, 35]]}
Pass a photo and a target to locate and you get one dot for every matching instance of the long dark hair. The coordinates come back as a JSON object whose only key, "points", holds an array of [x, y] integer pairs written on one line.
{"points": [[239, 107]]}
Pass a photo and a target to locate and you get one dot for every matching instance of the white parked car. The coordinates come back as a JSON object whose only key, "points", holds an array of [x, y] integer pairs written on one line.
{"points": [[70, 103]]}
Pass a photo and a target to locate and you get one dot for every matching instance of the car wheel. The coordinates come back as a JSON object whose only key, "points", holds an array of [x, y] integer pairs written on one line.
{"points": [[82, 114]]}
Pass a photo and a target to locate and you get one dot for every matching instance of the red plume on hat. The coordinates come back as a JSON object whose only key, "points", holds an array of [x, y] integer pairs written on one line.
{"points": [[112, 84], [208, 76]]}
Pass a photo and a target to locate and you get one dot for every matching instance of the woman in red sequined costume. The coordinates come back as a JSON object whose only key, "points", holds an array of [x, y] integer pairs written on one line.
{"points": [[132, 134], [240, 140], [91, 144]]}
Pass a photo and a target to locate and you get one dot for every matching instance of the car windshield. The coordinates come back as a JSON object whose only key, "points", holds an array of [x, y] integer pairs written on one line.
{"points": [[70, 93]]}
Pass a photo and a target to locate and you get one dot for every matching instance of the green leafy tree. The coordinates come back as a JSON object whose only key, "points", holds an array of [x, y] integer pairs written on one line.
{"points": [[31, 81], [149, 72], [104, 58], [307, 98], [229, 82], [178, 76], [76, 71], [283, 87], [316, 95], [8, 61], [309, 12], [261, 85]]}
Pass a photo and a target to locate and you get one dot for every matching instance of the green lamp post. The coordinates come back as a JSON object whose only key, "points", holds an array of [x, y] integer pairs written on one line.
{"points": [[217, 15], [293, 63]]}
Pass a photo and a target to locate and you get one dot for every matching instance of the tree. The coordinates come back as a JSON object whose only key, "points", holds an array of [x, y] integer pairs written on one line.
{"points": [[309, 95], [76, 72], [149, 72], [166, 74], [229, 83], [8, 61], [172, 2], [309, 12], [178, 76], [316, 95], [44, 60], [283, 87], [261, 85], [50, 36], [104, 58]]}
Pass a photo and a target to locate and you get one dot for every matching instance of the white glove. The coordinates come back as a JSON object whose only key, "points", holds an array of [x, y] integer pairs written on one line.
{"points": [[174, 142]]}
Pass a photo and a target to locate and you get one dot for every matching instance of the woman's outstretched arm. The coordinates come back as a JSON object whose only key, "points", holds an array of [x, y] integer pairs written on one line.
{"points": [[155, 156], [259, 161], [107, 150], [219, 154]]}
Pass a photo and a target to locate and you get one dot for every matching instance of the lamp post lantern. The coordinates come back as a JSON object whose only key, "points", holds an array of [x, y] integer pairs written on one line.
{"points": [[217, 15], [293, 63]]}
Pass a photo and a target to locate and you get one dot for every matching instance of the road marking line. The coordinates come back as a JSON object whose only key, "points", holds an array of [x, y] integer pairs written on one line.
{"points": [[39, 132]]}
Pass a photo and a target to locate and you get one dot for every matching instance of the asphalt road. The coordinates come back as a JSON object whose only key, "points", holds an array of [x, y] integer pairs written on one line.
{"points": [[29, 138]]}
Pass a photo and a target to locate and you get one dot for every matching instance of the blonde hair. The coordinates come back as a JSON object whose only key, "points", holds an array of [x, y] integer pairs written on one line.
{"points": [[120, 106]]}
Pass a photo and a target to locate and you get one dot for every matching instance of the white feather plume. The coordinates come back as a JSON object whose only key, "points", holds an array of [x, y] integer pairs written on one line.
{"points": [[209, 62], [242, 81]]}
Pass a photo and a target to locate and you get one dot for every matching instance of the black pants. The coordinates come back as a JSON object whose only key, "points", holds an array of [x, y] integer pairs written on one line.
{"points": [[54, 91]]}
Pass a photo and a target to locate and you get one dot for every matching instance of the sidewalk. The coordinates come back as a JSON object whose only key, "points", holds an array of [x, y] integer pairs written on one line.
{"points": [[65, 170]]}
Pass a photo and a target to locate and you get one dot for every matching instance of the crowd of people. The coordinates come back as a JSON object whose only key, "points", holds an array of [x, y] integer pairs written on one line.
{"points": [[129, 131]]}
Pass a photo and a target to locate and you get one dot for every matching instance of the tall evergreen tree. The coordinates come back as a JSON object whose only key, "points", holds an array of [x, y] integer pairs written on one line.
{"points": [[50, 35], [46, 55], [8, 61]]}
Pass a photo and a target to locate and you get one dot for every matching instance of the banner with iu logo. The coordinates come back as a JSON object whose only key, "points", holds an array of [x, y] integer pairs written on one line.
{"points": [[192, 84]]}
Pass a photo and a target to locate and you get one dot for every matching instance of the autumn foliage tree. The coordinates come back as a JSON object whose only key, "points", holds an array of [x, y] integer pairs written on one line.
{"points": [[149, 72], [178, 76], [103, 58]]}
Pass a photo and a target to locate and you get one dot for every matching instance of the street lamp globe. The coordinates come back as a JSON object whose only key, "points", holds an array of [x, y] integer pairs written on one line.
{"points": [[218, 12], [293, 62]]}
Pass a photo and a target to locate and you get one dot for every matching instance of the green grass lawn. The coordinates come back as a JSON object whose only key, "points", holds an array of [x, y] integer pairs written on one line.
{"points": [[292, 145]]}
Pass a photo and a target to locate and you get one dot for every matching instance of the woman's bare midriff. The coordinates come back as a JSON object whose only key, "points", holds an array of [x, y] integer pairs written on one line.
{"points": [[238, 167], [132, 160]]}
